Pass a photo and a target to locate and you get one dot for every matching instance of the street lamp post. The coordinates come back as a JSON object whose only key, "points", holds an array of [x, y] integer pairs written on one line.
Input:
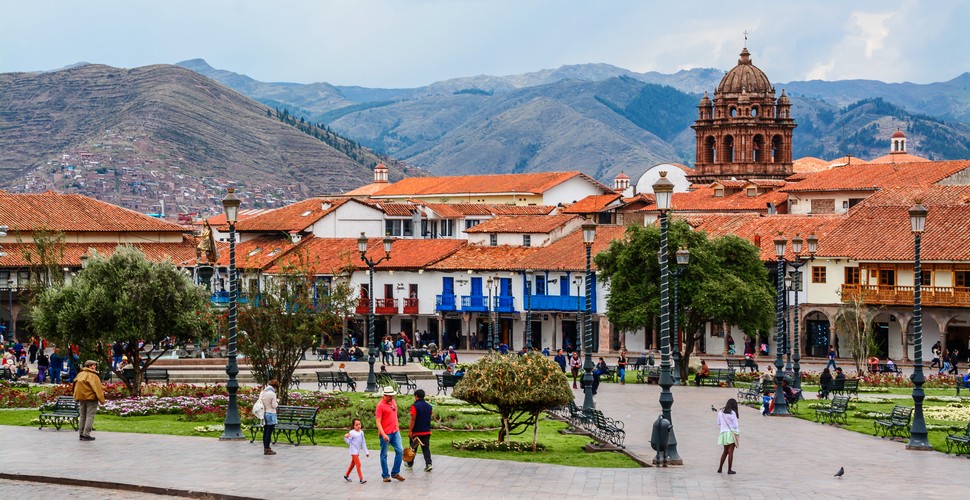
{"points": [[781, 404], [529, 273], [232, 428], [371, 348], [796, 279], [589, 234], [491, 324], [918, 438], [663, 190], [683, 257]]}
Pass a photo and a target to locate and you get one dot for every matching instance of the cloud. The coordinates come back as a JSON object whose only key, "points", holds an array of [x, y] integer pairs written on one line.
{"points": [[873, 30]]}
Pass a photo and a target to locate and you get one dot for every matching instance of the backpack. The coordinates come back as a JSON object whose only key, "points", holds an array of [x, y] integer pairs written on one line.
{"points": [[258, 409]]}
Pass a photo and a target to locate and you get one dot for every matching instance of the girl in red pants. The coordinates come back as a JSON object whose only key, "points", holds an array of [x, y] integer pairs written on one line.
{"points": [[355, 439]]}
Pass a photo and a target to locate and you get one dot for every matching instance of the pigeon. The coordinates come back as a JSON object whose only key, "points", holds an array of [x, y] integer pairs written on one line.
{"points": [[840, 472], [713, 408]]}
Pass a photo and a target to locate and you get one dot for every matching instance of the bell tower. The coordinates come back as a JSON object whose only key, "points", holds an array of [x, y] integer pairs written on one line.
{"points": [[744, 132]]}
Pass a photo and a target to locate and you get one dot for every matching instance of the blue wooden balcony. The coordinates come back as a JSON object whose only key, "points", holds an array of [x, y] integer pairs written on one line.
{"points": [[445, 302], [564, 303], [503, 303], [474, 303], [221, 298]]}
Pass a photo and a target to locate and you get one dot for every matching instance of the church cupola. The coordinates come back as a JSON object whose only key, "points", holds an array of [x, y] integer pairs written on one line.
{"points": [[743, 132], [898, 143], [380, 173], [621, 182]]}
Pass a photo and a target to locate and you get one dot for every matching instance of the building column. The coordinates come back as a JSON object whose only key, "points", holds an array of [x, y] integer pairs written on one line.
{"points": [[604, 333]]}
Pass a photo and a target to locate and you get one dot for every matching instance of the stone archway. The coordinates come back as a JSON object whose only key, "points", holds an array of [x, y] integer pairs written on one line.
{"points": [[818, 333]]}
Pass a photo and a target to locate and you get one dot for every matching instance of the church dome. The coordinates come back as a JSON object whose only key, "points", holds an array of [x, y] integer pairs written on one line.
{"points": [[745, 76], [898, 134], [705, 101]]}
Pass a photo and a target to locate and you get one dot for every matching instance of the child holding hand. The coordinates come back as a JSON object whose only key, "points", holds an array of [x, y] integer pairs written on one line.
{"points": [[355, 440]]}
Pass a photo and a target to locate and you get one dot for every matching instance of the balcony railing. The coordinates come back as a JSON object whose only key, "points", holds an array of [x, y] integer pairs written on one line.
{"points": [[385, 306], [363, 305], [445, 302], [222, 298], [563, 303], [940, 296], [410, 306], [474, 303], [503, 303]]}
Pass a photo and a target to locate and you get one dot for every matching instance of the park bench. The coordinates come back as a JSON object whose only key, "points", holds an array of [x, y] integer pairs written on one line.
{"points": [[792, 401], [648, 374], [640, 363], [847, 386], [322, 353], [718, 376], [293, 422], [417, 355], [147, 376], [610, 375], [404, 383], [959, 438], [605, 428], [446, 381], [741, 364], [884, 368], [897, 424], [959, 383], [835, 411], [335, 380], [66, 411], [750, 393]]}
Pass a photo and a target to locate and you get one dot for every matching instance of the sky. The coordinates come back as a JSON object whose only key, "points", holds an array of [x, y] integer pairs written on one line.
{"points": [[402, 44]]}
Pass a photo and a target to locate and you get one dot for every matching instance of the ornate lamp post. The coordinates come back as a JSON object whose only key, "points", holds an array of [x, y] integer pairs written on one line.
{"points": [[491, 324], [663, 190], [796, 280], [781, 404], [371, 347], [918, 439], [589, 234], [232, 427], [529, 274], [683, 258]]}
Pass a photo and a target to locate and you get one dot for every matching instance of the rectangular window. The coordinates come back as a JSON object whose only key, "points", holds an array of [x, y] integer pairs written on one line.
{"points": [[540, 285], [388, 291], [887, 277], [469, 223], [852, 276], [818, 274], [527, 240], [447, 228], [493, 239], [961, 279]]}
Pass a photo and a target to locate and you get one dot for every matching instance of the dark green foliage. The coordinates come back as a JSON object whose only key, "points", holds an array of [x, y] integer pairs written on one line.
{"points": [[518, 388], [661, 110], [725, 282], [124, 298]]}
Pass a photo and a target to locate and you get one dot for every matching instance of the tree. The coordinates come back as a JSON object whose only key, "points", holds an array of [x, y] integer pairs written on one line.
{"points": [[44, 258], [124, 298], [291, 311], [854, 321], [517, 388], [725, 282]]}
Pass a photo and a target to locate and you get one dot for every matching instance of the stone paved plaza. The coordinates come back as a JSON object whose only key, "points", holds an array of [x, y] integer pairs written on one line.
{"points": [[778, 458]]}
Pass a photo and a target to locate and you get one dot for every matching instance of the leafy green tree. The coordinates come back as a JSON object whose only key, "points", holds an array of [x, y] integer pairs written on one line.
{"points": [[124, 298], [517, 388], [854, 321], [293, 311], [725, 282]]}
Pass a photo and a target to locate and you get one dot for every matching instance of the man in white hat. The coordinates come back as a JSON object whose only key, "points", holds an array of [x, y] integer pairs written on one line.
{"points": [[390, 434]]}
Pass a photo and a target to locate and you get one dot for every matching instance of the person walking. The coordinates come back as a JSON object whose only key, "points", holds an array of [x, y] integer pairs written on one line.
{"points": [[419, 430], [727, 419], [574, 365], [386, 416], [831, 364], [621, 367], [270, 403], [355, 440], [88, 392], [560, 360], [43, 364], [57, 366]]}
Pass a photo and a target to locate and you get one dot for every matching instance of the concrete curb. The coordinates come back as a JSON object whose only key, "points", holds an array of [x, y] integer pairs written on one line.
{"points": [[109, 485]]}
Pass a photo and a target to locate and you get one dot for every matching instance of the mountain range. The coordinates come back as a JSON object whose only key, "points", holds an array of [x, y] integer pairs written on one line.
{"points": [[604, 120], [180, 134]]}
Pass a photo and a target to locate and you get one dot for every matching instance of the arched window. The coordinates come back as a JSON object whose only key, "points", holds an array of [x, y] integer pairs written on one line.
{"points": [[754, 111], [758, 149], [710, 149], [728, 150], [776, 149], [734, 111]]}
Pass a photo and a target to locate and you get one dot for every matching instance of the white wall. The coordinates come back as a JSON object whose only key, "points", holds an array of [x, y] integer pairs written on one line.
{"points": [[348, 220], [645, 183], [570, 191]]}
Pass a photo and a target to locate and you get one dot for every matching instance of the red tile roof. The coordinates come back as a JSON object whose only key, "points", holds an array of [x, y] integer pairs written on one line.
{"points": [[257, 253], [809, 164], [532, 183], [703, 200], [762, 230], [522, 209], [179, 253], [244, 213], [331, 255], [523, 224], [485, 258], [569, 252], [367, 189], [883, 233], [458, 210], [592, 203], [870, 176], [295, 217], [74, 213], [899, 158]]}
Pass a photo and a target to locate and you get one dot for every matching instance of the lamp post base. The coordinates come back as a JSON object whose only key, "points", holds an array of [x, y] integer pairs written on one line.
{"points": [[371, 378], [919, 447]]}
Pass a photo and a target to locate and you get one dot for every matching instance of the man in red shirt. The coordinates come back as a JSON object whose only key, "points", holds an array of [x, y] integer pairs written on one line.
{"points": [[390, 434]]}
